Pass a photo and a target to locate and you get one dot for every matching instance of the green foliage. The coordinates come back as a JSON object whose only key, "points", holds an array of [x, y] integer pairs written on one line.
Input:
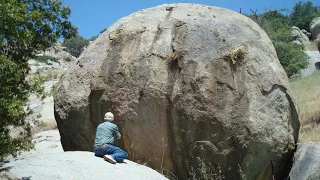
{"points": [[53, 88], [303, 13], [75, 45], [291, 56], [45, 58], [26, 26], [13, 96], [41, 77], [30, 25], [278, 28], [39, 116]]}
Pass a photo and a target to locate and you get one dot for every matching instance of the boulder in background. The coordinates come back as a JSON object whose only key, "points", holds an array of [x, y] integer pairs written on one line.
{"points": [[298, 35], [315, 27]]}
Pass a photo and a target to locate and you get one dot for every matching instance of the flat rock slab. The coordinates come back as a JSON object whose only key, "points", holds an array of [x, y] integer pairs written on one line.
{"points": [[48, 161]]}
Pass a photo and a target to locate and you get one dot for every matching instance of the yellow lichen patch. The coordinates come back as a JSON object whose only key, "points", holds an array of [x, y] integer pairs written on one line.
{"points": [[290, 146], [237, 54], [140, 30], [113, 36]]}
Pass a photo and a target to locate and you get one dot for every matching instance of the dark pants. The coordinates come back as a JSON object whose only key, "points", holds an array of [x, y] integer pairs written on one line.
{"points": [[115, 152]]}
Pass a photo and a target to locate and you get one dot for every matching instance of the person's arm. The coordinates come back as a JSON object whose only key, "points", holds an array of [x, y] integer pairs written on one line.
{"points": [[118, 133]]}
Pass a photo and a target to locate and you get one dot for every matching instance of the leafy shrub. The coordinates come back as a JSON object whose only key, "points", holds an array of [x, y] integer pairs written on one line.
{"points": [[26, 27], [278, 28], [292, 57], [38, 116], [75, 45], [45, 58], [303, 13], [13, 97]]}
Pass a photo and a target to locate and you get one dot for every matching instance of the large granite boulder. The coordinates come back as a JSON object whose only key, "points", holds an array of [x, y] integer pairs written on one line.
{"points": [[299, 36], [196, 90], [315, 27], [306, 162]]}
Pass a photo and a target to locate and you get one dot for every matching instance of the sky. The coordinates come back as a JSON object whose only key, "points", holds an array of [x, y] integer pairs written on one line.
{"points": [[92, 16]]}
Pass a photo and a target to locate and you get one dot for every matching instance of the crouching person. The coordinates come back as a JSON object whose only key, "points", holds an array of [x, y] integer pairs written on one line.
{"points": [[103, 145]]}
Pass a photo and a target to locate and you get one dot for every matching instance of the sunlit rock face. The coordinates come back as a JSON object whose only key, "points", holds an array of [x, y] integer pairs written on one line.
{"points": [[193, 88]]}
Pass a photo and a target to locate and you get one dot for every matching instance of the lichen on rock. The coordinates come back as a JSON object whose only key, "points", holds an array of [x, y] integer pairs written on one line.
{"points": [[181, 94]]}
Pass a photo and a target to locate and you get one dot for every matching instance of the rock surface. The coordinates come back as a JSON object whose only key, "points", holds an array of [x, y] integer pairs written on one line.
{"points": [[315, 27], [191, 86], [306, 162], [49, 162], [314, 57], [299, 36], [43, 107], [306, 33]]}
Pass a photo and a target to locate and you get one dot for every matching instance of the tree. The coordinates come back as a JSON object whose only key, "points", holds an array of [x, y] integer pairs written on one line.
{"points": [[278, 28], [291, 56], [75, 45], [260, 19], [303, 13], [26, 26]]}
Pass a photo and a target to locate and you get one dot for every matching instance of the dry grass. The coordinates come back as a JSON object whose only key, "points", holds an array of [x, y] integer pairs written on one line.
{"points": [[46, 75], [43, 126], [311, 133], [307, 94], [311, 47], [36, 127], [206, 171]]}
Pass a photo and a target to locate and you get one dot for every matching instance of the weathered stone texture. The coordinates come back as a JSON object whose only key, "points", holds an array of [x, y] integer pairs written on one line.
{"points": [[190, 85]]}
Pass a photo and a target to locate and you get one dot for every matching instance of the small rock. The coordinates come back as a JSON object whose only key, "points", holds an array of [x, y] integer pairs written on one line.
{"points": [[53, 146]]}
